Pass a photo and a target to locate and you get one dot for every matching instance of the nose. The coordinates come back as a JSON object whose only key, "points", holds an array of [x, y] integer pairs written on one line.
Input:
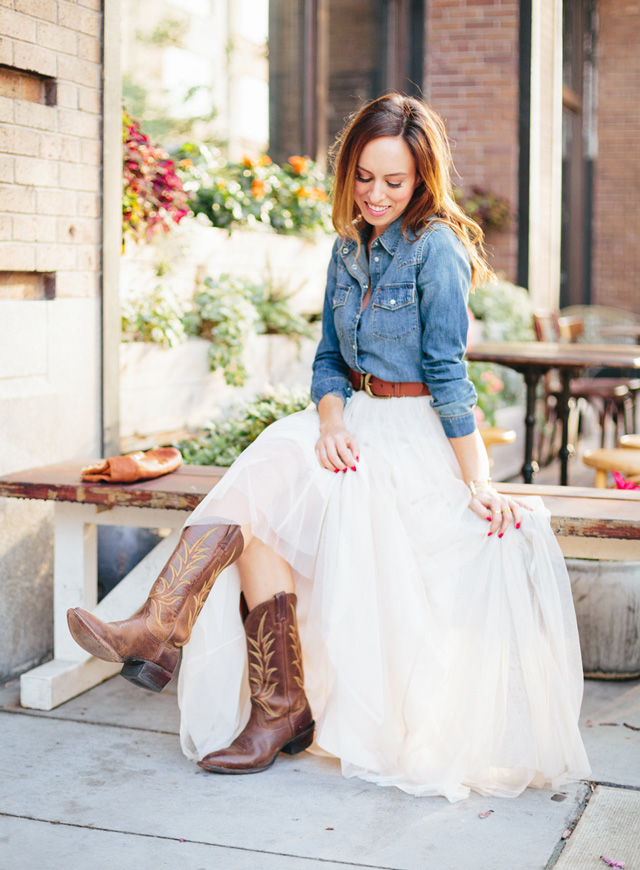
{"points": [[376, 193]]}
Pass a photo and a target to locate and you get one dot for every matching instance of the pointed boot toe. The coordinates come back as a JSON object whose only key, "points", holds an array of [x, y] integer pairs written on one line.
{"points": [[91, 634]]}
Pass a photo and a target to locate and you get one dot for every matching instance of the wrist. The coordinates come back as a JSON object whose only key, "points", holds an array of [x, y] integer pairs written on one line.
{"points": [[476, 486]]}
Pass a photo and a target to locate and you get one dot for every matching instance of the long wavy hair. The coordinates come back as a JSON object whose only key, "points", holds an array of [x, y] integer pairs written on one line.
{"points": [[423, 130]]}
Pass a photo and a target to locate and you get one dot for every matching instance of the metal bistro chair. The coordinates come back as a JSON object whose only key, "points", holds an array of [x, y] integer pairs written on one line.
{"points": [[612, 398]]}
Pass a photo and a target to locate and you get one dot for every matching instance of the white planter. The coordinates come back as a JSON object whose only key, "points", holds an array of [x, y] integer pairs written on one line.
{"points": [[192, 252], [166, 389], [607, 601]]}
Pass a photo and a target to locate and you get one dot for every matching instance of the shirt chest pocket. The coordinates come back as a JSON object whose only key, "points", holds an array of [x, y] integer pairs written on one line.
{"points": [[395, 312], [339, 307]]}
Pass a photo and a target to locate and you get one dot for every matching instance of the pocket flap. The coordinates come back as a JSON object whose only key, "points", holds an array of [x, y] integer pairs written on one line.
{"points": [[393, 296]]}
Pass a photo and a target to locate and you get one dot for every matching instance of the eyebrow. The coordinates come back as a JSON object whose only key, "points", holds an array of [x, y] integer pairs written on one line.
{"points": [[388, 175]]}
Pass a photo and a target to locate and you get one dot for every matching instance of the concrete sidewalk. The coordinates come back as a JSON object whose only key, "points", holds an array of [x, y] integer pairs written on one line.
{"points": [[101, 783]]}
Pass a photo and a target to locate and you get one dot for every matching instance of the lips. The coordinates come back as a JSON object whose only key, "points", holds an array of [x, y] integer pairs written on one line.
{"points": [[376, 211]]}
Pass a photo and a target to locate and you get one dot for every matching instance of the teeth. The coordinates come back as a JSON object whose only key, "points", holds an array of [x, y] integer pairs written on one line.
{"points": [[378, 208]]}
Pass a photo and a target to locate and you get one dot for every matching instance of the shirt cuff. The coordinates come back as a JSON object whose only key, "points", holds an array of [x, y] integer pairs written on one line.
{"points": [[456, 427], [338, 386]]}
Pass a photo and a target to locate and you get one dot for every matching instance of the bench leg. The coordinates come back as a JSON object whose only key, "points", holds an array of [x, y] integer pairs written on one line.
{"points": [[72, 670]]}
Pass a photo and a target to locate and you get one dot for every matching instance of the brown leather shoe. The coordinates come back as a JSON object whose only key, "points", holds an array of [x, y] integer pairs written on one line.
{"points": [[280, 719], [149, 642]]}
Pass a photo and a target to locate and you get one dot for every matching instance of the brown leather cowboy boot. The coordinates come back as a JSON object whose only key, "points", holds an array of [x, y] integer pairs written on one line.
{"points": [[149, 642], [280, 719]]}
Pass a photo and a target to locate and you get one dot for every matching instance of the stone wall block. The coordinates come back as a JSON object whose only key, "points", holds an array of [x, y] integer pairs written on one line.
{"points": [[34, 115], [57, 38], [56, 202], [42, 9], [17, 199], [84, 20], [82, 72], [30, 170], [78, 124], [17, 26], [34, 59], [17, 258]]}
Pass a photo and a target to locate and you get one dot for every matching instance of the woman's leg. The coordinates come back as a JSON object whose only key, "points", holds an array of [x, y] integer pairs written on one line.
{"points": [[262, 572]]}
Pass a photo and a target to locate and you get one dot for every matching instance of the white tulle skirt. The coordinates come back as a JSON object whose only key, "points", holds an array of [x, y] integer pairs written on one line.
{"points": [[437, 659]]}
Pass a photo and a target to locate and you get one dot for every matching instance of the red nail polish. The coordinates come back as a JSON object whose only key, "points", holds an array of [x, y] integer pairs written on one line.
{"points": [[489, 518], [501, 535], [517, 525], [344, 470], [489, 535], [335, 470], [357, 459], [353, 468]]}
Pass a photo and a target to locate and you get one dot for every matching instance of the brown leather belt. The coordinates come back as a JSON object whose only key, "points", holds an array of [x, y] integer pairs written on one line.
{"points": [[379, 389]]}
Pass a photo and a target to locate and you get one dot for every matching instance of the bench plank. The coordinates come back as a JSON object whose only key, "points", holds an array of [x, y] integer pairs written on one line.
{"points": [[183, 489], [575, 511]]}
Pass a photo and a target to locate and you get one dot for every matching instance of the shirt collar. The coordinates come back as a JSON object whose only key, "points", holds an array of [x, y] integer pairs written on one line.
{"points": [[390, 239]]}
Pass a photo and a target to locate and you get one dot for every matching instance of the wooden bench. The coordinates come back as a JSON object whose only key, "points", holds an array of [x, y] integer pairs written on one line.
{"points": [[589, 523]]}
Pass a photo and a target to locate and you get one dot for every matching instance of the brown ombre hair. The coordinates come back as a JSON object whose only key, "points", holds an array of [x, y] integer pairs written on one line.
{"points": [[423, 130]]}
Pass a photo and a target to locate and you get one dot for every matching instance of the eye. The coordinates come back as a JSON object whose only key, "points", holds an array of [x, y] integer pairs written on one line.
{"points": [[360, 178], [399, 184]]}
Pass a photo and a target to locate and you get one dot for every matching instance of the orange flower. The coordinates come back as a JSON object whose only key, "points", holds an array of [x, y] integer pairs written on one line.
{"points": [[319, 194], [247, 161], [264, 160], [299, 164], [315, 193], [257, 188]]}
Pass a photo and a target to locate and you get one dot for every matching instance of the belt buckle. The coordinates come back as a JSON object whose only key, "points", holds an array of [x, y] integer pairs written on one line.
{"points": [[366, 386]]}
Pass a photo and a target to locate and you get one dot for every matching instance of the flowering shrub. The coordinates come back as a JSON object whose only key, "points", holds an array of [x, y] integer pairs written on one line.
{"points": [[152, 196], [156, 317], [292, 198], [491, 211]]}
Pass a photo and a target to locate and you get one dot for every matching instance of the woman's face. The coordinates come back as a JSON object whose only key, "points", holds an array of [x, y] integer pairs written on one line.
{"points": [[385, 181]]}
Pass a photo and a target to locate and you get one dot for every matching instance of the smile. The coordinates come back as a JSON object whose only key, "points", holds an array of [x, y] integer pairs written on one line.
{"points": [[376, 209]]}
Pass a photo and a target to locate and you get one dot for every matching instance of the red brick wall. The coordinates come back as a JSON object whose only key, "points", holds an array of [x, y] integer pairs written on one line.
{"points": [[616, 222], [472, 81]]}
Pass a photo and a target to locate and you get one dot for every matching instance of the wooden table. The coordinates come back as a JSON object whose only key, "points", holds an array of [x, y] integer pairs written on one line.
{"points": [[630, 330], [534, 359]]}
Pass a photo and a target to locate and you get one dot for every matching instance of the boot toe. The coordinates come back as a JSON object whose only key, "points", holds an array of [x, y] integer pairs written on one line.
{"points": [[85, 630]]}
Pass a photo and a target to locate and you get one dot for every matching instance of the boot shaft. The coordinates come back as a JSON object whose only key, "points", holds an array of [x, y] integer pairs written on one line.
{"points": [[276, 676]]}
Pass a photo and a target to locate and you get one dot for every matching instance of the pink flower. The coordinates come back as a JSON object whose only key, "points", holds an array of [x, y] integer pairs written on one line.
{"points": [[622, 483]]}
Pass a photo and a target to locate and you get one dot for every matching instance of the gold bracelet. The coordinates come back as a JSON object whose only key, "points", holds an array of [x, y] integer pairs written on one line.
{"points": [[476, 486]]}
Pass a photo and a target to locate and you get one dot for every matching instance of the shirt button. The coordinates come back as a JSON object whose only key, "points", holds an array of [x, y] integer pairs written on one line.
{"points": [[353, 346], [376, 259], [345, 250], [392, 302], [355, 267]]}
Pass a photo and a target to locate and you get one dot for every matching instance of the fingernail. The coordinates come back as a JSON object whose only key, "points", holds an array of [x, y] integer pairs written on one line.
{"points": [[335, 470], [500, 535], [489, 518], [344, 470], [489, 535], [517, 525], [353, 468], [357, 459]]}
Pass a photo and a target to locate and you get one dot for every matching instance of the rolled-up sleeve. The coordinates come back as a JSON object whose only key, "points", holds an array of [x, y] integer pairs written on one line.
{"points": [[330, 371], [444, 280]]}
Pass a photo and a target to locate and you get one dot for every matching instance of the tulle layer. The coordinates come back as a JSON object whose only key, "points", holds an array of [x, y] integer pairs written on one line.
{"points": [[437, 659]]}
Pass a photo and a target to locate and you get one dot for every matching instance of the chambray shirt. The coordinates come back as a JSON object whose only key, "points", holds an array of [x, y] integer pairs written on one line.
{"points": [[414, 327]]}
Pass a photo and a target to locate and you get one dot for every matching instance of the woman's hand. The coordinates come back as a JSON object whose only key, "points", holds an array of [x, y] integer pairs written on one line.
{"points": [[501, 510], [336, 448]]}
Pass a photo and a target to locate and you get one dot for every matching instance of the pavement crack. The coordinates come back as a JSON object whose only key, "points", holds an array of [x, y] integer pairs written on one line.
{"points": [[40, 715], [336, 862]]}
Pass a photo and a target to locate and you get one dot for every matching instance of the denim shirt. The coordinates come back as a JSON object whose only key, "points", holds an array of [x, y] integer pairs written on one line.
{"points": [[414, 327]]}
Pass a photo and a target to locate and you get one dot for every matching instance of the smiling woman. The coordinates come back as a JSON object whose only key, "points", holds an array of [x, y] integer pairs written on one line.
{"points": [[385, 182]]}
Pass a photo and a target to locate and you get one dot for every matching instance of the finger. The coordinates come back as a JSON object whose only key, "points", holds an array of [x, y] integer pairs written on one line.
{"points": [[478, 508], [346, 454], [333, 456], [355, 448], [507, 519], [496, 518], [321, 453], [516, 510]]}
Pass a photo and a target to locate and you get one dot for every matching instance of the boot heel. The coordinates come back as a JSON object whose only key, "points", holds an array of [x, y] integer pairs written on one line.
{"points": [[301, 742], [147, 675]]}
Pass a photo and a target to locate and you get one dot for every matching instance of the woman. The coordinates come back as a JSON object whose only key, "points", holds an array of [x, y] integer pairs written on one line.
{"points": [[440, 643]]}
